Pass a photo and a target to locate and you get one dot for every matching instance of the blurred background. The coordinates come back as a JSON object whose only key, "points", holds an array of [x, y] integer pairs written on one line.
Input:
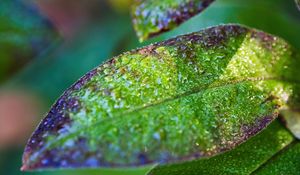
{"points": [[46, 45]]}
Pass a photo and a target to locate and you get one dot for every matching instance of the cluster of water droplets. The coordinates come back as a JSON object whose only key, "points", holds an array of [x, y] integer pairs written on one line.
{"points": [[155, 16], [179, 98]]}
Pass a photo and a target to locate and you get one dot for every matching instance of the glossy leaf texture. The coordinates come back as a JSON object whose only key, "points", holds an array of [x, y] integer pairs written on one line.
{"points": [[24, 33], [152, 17], [244, 159], [189, 97]]}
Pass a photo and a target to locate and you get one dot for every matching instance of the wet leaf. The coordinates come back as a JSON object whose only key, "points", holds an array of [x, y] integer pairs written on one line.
{"points": [[23, 34], [244, 159], [189, 97], [151, 17]]}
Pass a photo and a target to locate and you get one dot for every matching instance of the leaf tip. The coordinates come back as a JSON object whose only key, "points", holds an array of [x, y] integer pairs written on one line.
{"points": [[151, 19], [25, 160], [24, 168]]}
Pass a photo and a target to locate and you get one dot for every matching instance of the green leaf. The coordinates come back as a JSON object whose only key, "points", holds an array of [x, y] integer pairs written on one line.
{"points": [[19, 20], [189, 97], [106, 171], [285, 162], [244, 159], [151, 17]]}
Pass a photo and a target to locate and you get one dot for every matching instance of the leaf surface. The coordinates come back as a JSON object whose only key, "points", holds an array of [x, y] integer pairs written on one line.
{"points": [[151, 17], [244, 159], [285, 162], [189, 97]]}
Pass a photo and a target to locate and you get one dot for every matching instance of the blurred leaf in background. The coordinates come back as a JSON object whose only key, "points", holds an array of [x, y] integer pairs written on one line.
{"points": [[24, 33], [71, 17], [121, 5], [12, 106], [49, 75], [298, 3]]}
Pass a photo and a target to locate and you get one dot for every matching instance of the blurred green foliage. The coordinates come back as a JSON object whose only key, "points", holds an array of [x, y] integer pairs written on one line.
{"points": [[23, 34]]}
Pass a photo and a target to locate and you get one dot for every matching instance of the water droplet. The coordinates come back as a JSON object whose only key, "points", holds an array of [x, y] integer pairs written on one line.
{"points": [[64, 163], [158, 80], [45, 161], [156, 136], [69, 143], [179, 76], [92, 162], [33, 141]]}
